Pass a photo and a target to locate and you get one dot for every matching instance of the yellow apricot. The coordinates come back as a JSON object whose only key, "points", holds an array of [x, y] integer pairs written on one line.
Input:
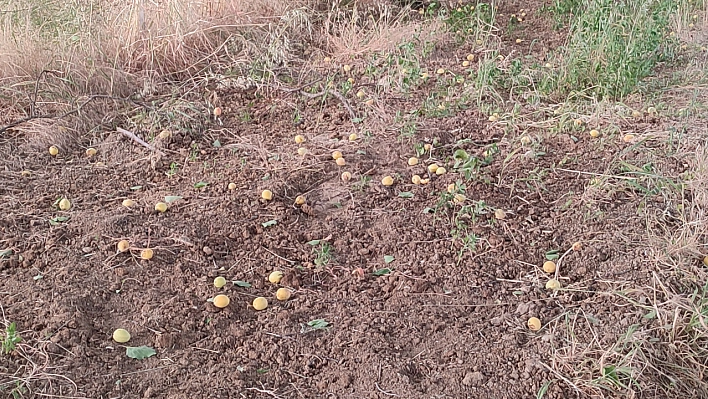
{"points": [[301, 151], [217, 111], [299, 139], [146, 254], [161, 207], [577, 246], [121, 336], [549, 266], [412, 161], [128, 202], [299, 200], [91, 152], [499, 214], [353, 137], [123, 245], [164, 134], [267, 195], [340, 162], [221, 301], [440, 171], [232, 186], [53, 150], [470, 57], [594, 133], [534, 324], [553, 284], [64, 204], [433, 167], [260, 303], [387, 181], [283, 294], [346, 176], [219, 282], [275, 276], [416, 179]]}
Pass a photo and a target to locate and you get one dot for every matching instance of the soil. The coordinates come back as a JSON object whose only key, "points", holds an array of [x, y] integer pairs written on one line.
{"points": [[444, 323]]}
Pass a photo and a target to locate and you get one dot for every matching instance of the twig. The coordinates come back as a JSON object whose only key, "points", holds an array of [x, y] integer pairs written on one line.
{"points": [[277, 256], [138, 140], [382, 391], [559, 375]]}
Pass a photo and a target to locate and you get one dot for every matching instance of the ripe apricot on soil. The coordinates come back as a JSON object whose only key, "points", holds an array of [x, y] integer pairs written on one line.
{"points": [[283, 294], [553, 284], [26, 173], [387, 181], [146, 254], [705, 260], [577, 246], [217, 111], [360, 94], [164, 134], [424, 181], [53, 150], [424, 75], [534, 324], [549, 266], [327, 59], [636, 114], [301, 151], [350, 80], [594, 133], [299, 139], [369, 101], [161, 207], [459, 198], [412, 161], [628, 138], [416, 179], [123, 245], [91, 152], [121, 336], [451, 187], [353, 137], [275, 276], [493, 118], [440, 171], [499, 214], [336, 154], [260, 303], [346, 176], [347, 68], [64, 204], [433, 167], [221, 301], [128, 202], [440, 71], [470, 57], [267, 195], [427, 147], [299, 200], [577, 122], [219, 282], [465, 63], [340, 162], [232, 186]]}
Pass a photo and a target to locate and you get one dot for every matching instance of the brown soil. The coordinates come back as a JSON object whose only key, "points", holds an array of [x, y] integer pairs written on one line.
{"points": [[445, 323]]}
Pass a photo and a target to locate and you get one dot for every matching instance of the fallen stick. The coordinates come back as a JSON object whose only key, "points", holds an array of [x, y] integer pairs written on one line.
{"points": [[138, 140]]}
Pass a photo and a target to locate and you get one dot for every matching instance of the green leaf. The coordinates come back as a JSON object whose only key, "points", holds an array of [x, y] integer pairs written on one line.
{"points": [[135, 188], [552, 254], [172, 198], [5, 252], [361, 152], [428, 210], [460, 155], [314, 242], [55, 221], [201, 184], [544, 388], [405, 194], [357, 120], [216, 143], [269, 223], [388, 259], [240, 283], [312, 325], [651, 314], [139, 352], [382, 272]]}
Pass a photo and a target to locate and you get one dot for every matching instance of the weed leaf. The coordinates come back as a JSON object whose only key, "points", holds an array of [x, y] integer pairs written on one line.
{"points": [[139, 352]]}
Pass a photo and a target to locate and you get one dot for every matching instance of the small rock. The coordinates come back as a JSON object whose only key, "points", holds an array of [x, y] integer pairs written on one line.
{"points": [[87, 250], [472, 378], [208, 251]]}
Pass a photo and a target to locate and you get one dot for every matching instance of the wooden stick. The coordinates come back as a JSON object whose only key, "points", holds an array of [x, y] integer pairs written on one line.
{"points": [[138, 140]]}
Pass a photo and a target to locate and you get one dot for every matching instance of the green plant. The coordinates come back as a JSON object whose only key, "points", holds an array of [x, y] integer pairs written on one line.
{"points": [[10, 339], [322, 251], [174, 168]]}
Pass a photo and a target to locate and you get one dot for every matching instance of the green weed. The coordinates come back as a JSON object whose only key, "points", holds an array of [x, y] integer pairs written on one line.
{"points": [[10, 339]]}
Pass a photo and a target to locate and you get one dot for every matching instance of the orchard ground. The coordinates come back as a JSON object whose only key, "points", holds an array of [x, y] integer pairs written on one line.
{"points": [[403, 290]]}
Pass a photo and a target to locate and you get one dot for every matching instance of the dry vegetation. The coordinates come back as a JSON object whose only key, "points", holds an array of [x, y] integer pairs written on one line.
{"points": [[635, 70]]}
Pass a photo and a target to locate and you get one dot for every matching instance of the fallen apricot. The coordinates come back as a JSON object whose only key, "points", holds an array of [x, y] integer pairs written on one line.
{"points": [[91, 152], [465, 64], [146, 254], [549, 267], [440, 71], [53, 150], [121, 336], [164, 134], [219, 282], [534, 324], [217, 111], [64, 204], [299, 200], [470, 57], [577, 246], [412, 161], [283, 294], [553, 284], [347, 68], [232, 186], [353, 137], [267, 195], [340, 162], [440, 171], [360, 94], [451, 187], [301, 151], [336, 155], [594, 133], [260, 303], [499, 214], [459, 198], [433, 167], [123, 245], [346, 176], [161, 207], [424, 181], [128, 202], [369, 101], [221, 301], [387, 181], [427, 147], [350, 80], [299, 139], [628, 138], [705, 260], [275, 276], [416, 179]]}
